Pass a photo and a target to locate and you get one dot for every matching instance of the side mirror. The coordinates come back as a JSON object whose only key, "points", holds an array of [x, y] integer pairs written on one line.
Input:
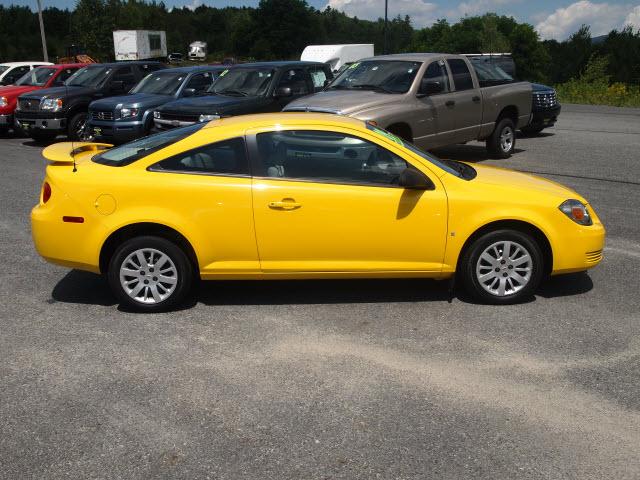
{"points": [[412, 179], [117, 86], [430, 87], [283, 92], [188, 92]]}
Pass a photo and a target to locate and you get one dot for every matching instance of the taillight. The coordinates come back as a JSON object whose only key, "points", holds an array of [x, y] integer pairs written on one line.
{"points": [[46, 192]]}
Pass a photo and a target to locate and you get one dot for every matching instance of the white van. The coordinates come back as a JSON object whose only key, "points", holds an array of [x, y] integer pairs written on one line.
{"points": [[337, 55]]}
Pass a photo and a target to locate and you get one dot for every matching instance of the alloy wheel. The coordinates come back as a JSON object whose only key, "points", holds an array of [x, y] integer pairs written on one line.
{"points": [[504, 268], [148, 276]]}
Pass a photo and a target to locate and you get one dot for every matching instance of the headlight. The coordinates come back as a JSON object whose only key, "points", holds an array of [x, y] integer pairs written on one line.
{"points": [[53, 104], [206, 118], [128, 112], [156, 114], [3, 102], [576, 211]]}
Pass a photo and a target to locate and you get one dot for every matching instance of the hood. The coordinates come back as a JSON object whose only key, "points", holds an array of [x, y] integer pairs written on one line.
{"points": [[345, 102], [11, 91], [538, 87], [519, 181], [62, 92], [138, 100], [213, 104]]}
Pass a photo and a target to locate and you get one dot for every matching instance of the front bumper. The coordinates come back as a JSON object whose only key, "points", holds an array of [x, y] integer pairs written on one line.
{"points": [[161, 124], [581, 249], [6, 120], [40, 121], [116, 132], [544, 117]]}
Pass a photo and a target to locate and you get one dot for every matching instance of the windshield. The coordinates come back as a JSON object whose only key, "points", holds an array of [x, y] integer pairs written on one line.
{"points": [[160, 83], [3, 68], [461, 170], [88, 77], [37, 77], [387, 76], [132, 151], [243, 82]]}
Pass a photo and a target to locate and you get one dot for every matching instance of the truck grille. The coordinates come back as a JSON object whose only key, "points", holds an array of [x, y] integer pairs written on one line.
{"points": [[29, 104], [99, 115], [545, 100], [179, 116]]}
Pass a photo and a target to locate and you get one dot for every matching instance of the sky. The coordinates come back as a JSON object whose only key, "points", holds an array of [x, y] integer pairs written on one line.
{"points": [[553, 19]]}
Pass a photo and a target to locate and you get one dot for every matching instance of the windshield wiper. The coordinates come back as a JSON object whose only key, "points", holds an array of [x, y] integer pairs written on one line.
{"points": [[231, 92], [369, 86]]}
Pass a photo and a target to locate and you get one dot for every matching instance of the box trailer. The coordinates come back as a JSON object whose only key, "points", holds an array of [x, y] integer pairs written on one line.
{"points": [[337, 56], [139, 44]]}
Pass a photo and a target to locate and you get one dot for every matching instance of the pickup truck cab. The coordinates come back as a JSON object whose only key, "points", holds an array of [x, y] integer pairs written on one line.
{"points": [[246, 88], [11, 72], [124, 118], [430, 99], [36, 79], [45, 114]]}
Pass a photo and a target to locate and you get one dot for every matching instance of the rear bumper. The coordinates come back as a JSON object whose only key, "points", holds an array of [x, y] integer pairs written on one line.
{"points": [[544, 118], [117, 132], [51, 124]]}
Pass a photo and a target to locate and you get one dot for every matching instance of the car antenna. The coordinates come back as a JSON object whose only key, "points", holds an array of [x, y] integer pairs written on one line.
{"points": [[73, 148]]}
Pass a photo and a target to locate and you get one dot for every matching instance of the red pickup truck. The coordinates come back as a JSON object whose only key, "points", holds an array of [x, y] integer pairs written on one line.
{"points": [[36, 79]]}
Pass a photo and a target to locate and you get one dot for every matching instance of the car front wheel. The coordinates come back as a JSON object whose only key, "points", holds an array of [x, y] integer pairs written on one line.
{"points": [[502, 267], [150, 274]]}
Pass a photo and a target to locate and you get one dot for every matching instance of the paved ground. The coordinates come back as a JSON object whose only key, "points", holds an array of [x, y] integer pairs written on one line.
{"points": [[323, 380]]}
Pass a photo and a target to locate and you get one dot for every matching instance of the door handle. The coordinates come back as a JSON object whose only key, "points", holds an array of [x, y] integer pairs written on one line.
{"points": [[476, 99], [450, 103], [285, 204]]}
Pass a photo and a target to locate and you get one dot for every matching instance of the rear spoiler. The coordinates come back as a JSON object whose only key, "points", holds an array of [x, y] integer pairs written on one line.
{"points": [[65, 152]]}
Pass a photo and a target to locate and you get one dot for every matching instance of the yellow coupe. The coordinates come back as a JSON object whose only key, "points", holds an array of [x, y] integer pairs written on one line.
{"points": [[302, 195]]}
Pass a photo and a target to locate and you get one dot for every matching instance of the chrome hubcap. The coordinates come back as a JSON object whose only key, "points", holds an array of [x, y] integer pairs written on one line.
{"points": [[506, 139], [504, 268], [148, 276]]}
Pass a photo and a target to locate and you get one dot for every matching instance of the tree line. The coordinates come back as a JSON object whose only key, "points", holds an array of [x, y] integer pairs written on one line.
{"points": [[280, 29]]}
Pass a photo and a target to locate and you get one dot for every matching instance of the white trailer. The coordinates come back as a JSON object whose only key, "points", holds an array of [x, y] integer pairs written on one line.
{"points": [[337, 55], [139, 44], [198, 51]]}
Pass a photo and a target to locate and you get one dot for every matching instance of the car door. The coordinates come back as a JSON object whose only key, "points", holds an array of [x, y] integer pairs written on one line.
{"points": [[297, 80], [434, 125], [329, 201], [467, 107], [122, 81]]}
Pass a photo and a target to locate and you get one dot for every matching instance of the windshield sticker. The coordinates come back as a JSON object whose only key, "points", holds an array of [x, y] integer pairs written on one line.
{"points": [[224, 73], [354, 65], [388, 135]]}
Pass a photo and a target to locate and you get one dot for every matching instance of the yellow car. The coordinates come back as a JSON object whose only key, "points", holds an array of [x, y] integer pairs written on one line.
{"points": [[302, 195]]}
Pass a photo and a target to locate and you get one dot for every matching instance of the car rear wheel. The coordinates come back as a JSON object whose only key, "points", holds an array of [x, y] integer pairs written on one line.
{"points": [[150, 274], [502, 267], [502, 142]]}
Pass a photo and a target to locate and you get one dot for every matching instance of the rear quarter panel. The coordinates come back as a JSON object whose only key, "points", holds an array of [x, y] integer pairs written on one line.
{"points": [[496, 98]]}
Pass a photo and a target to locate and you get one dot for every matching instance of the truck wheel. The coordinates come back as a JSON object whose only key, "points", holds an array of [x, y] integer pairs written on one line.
{"points": [[43, 136], [502, 141], [502, 267], [77, 128], [150, 274], [531, 131]]}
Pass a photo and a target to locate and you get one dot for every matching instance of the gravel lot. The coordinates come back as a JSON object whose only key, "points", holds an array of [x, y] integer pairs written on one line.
{"points": [[335, 379]]}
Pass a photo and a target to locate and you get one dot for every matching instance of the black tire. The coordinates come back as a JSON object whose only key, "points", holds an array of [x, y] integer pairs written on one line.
{"points": [[76, 129], [182, 273], [43, 136], [471, 266], [498, 146], [4, 131], [531, 131]]}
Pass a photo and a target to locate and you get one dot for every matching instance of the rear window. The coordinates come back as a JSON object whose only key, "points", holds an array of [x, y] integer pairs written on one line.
{"points": [[132, 151]]}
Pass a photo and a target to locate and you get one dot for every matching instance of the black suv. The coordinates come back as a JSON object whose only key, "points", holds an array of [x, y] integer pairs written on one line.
{"points": [[246, 88], [45, 114], [545, 109]]}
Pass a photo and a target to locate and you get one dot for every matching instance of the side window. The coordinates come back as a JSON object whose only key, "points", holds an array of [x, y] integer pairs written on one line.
{"points": [[146, 68], [15, 74], [436, 77], [461, 75], [318, 77], [327, 157], [227, 157], [125, 75], [63, 75], [296, 80], [200, 82]]}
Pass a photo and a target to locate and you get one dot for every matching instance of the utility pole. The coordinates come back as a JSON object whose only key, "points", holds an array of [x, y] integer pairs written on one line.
{"points": [[384, 48], [44, 40]]}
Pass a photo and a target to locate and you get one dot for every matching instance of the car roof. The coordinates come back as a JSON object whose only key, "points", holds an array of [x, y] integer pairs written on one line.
{"points": [[258, 120], [411, 57], [195, 68], [275, 64], [60, 66], [117, 64], [20, 64]]}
